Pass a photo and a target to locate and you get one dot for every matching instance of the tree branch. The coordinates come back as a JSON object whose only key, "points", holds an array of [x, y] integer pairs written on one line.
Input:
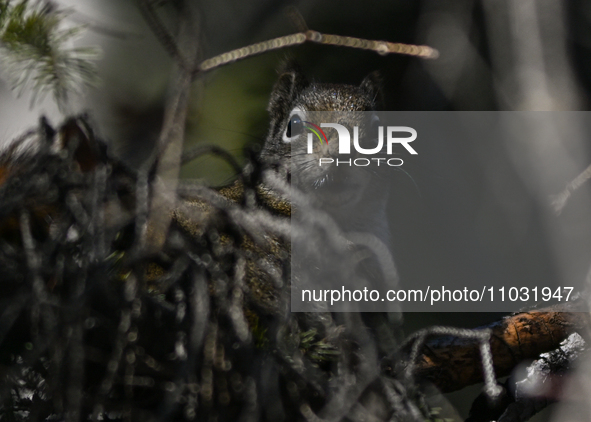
{"points": [[452, 363]]}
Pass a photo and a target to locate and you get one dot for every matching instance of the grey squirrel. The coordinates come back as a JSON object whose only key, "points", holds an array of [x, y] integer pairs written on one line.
{"points": [[355, 198], [344, 192]]}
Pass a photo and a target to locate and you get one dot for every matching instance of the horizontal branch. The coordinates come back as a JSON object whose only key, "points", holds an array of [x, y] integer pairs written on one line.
{"points": [[452, 363], [380, 47]]}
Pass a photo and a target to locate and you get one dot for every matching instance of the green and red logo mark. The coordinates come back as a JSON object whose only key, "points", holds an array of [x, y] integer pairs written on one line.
{"points": [[315, 128]]}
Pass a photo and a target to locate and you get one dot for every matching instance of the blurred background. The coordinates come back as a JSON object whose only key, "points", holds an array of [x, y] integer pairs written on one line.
{"points": [[461, 211]]}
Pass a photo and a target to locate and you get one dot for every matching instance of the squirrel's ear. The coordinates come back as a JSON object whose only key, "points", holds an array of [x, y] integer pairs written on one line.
{"points": [[290, 84], [372, 85]]}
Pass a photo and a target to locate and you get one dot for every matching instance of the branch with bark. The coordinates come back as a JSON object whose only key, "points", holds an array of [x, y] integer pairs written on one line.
{"points": [[452, 363]]}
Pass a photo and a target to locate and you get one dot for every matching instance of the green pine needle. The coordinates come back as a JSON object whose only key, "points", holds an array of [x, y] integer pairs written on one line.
{"points": [[34, 55]]}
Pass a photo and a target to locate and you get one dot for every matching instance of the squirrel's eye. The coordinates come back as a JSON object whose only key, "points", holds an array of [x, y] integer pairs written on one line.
{"points": [[294, 126]]}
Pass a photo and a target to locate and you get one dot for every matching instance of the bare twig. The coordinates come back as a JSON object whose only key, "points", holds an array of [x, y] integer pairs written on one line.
{"points": [[167, 155], [483, 339], [560, 200], [380, 47], [161, 32], [297, 19]]}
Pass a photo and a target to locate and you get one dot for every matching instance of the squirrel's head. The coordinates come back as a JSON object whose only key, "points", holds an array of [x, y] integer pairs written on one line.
{"points": [[294, 96], [297, 103]]}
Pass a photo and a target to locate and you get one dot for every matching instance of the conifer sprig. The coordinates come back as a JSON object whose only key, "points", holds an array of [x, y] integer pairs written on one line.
{"points": [[35, 52]]}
